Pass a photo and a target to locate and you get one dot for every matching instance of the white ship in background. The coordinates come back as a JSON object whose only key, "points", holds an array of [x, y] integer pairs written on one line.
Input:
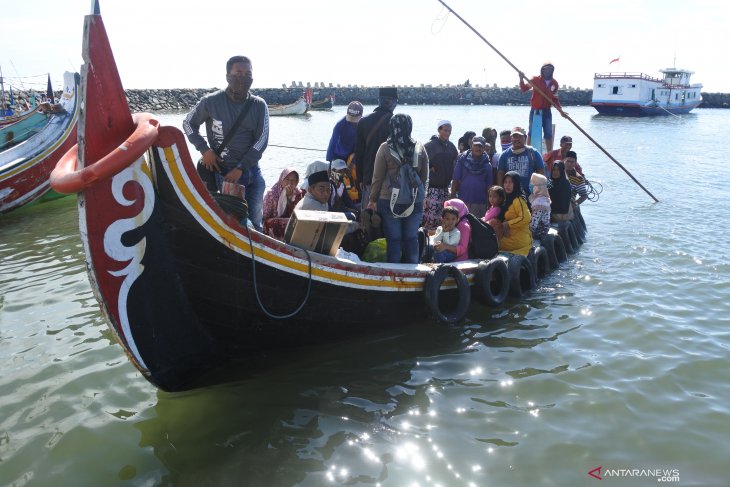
{"points": [[640, 95]]}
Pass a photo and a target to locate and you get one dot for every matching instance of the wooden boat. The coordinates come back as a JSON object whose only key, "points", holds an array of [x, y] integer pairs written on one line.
{"points": [[5, 121], [299, 107], [24, 128], [640, 95], [325, 103], [183, 285], [25, 167]]}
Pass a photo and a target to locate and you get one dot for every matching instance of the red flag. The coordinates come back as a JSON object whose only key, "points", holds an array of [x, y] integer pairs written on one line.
{"points": [[614, 60]]}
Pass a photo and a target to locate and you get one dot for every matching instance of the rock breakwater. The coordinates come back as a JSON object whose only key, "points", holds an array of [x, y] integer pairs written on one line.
{"points": [[151, 100], [184, 99]]}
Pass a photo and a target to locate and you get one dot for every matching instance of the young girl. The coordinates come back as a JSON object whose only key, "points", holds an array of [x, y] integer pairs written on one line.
{"points": [[539, 206], [462, 250], [493, 217], [447, 237]]}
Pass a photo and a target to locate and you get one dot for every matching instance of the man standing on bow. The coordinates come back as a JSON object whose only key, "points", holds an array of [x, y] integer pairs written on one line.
{"points": [[372, 131], [546, 86], [238, 160]]}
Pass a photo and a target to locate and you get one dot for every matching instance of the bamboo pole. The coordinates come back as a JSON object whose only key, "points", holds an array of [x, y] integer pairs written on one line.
{"points": [[541, 91]]}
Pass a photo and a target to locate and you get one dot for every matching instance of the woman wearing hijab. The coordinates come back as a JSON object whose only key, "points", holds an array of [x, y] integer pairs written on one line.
{"points": [[279, 203], [516, 237], [400, 225], [560, 194]]}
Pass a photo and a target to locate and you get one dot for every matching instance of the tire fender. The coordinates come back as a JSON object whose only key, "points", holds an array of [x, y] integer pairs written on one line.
{"points": [[549, 244], [570, 232], [578, 232], [541, 262], [564, 230], [559, 245], [492, 281], [521, 275], [432, 291]]}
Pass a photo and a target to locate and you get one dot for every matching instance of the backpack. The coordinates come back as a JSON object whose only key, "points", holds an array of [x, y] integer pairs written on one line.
{"points": [[483, 242], [407, 189]]}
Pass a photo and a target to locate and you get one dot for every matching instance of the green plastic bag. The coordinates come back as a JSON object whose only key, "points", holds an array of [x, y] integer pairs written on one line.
{"points": [[375, 251]]}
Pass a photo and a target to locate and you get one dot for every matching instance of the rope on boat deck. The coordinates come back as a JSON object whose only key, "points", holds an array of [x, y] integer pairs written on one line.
{"points": [[256, 287]]}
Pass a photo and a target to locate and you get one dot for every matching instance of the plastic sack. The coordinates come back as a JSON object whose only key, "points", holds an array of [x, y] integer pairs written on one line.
{"points": [[375, 251]]}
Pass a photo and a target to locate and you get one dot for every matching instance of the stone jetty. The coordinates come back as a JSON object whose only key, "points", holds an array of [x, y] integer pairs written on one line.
{"points": [[184, 99], [152, 100]]}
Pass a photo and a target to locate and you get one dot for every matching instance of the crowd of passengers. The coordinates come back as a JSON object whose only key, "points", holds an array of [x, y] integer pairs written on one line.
{"points": [[376, 172]]}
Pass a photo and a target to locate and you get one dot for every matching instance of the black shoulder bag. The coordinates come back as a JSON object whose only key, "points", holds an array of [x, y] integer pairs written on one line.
{"points": [[206, 174]]}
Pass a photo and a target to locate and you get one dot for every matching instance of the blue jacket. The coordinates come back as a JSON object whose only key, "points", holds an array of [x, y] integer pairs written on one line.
{"points": [[342, 143]]}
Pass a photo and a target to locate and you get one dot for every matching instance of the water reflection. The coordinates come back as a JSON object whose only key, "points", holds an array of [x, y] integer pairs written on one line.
{"points": [[367, 412]]}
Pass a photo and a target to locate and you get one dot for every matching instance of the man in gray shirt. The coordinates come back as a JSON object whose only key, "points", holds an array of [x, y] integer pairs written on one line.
{"points": [[239, 161]]}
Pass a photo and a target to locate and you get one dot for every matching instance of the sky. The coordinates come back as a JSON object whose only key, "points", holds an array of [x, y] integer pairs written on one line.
{"points": [[185, 44]]}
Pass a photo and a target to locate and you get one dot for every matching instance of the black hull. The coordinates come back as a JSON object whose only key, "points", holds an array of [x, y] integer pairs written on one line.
{"points": [[218, 282]]}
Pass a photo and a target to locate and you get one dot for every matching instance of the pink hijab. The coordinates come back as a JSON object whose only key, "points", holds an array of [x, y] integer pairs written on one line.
{"points": [[462, 250], [271, 200]]}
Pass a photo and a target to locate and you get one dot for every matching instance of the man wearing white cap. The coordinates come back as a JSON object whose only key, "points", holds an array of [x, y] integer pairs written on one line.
{"points": [[442, 155], [342, 145], [521, 158], [342, 142]]}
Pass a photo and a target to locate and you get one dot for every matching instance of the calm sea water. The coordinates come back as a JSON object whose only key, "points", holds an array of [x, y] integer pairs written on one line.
{"points": [[618, 360]]}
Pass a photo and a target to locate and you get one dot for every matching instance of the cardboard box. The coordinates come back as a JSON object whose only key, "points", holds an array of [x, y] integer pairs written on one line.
{"points": [[319, 231]]}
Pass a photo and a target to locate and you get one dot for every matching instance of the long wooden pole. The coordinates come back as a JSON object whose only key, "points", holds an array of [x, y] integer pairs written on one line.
{"points": [[541, 91]]}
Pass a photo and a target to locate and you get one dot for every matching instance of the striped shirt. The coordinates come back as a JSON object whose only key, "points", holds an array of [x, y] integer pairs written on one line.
{"points": [[577, 184]]}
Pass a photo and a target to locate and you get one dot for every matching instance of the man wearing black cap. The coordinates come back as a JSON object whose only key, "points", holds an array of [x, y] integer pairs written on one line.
{"points": [[371, 132]]}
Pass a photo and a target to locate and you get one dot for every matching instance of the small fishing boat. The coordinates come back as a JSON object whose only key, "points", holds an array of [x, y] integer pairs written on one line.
{"points": [[23, 128], [25, 167], [184, 286], [299, 107], [18, 117], [325, 103], [640, 95]]}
